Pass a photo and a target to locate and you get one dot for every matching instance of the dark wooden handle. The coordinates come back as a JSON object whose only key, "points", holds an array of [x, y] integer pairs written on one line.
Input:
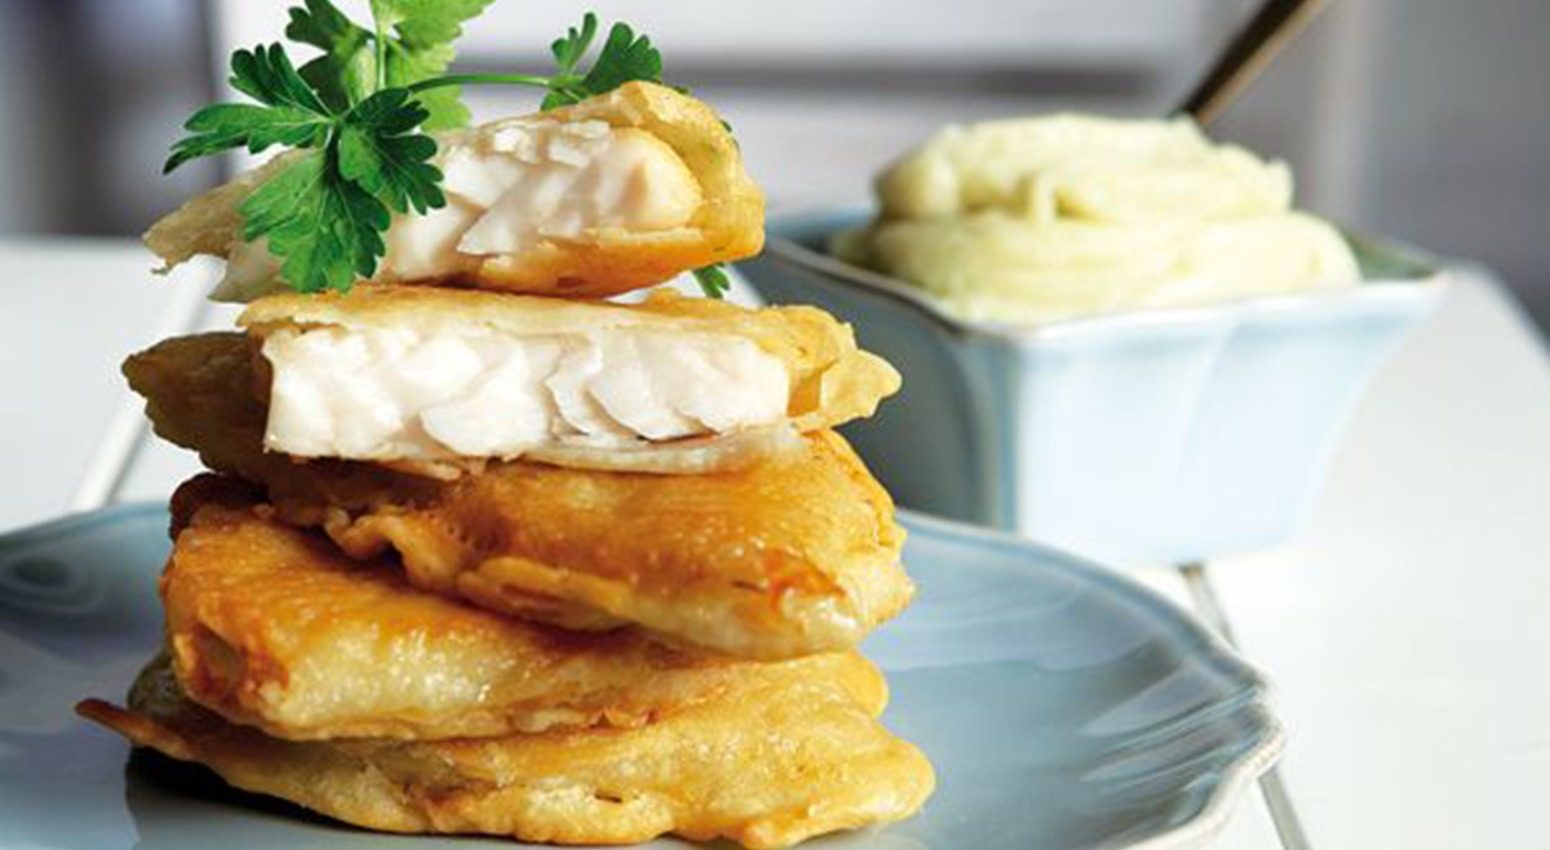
{"points": [[1272, 27]]}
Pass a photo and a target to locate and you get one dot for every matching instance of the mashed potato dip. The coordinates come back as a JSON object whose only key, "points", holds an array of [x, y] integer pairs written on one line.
{"points": [[1035, 220]]}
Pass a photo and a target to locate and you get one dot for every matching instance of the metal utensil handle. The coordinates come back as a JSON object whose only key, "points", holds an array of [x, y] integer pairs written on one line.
{"points": [[1275, 24]]}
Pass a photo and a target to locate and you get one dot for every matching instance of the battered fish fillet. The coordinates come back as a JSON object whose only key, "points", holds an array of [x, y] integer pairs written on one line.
{"points": [[794, 555], [777, 760], [674, 385], [620, 191], [270, 626]]}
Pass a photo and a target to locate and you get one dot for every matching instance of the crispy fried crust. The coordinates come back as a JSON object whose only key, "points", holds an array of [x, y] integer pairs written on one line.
{"points": [[777, 760], [728, 225], [832, 380], [791, 556], [209, 224], [271, 626]]}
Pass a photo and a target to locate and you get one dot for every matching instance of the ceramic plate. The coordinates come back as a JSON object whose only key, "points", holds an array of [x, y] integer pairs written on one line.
{"points": [[1063, 706]]}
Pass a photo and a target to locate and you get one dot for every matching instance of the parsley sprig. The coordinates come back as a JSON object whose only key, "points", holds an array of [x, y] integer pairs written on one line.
{"points": [[409, 41], [325, 212], [359, 114]]}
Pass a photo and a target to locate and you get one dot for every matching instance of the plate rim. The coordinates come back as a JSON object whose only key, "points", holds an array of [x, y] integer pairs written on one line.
{"points": [[1238, 779], [75, 520], [1220, 804]]}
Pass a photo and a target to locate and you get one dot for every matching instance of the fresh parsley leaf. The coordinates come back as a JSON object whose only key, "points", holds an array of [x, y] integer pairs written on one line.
{"points": [[713, 281], [444, 106], [324, 214], [320, 24], [225, 126], [379, 150], [413, 38], [266, 75], [289, 111], [625, 57], [426, 30], [326, 230], [346, 72], [569, 50], [424, 23]]}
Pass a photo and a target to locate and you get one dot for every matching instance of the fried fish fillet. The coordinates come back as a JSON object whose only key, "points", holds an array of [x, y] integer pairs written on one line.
{"points": [[671, 385], [794, 555], [270, 626], [617, 192], [776, 760]]}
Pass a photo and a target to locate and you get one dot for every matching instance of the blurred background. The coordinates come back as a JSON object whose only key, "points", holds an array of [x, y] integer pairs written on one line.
{"points": [[1425, 120]]}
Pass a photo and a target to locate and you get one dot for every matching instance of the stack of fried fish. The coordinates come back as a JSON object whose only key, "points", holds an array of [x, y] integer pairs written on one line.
{"points": [[477, 554]]}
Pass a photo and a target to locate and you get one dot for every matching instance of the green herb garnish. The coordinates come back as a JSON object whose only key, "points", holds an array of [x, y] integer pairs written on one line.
{"points": [[360, 112], [410, 41], [713, 280], [325, 213]]}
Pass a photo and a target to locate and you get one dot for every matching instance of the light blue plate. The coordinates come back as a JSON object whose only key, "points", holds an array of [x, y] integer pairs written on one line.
{"points": [[1063, 706]]}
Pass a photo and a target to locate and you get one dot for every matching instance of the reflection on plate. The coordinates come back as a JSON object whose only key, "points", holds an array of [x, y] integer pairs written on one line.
{"points": [[1063, 706]]}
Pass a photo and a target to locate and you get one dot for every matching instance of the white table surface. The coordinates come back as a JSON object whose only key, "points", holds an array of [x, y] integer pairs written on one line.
{"points": [[1405, 626]]}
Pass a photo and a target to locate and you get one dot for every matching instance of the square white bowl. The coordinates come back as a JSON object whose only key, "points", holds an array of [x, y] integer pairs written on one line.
{"points": [[1139, 437]]}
